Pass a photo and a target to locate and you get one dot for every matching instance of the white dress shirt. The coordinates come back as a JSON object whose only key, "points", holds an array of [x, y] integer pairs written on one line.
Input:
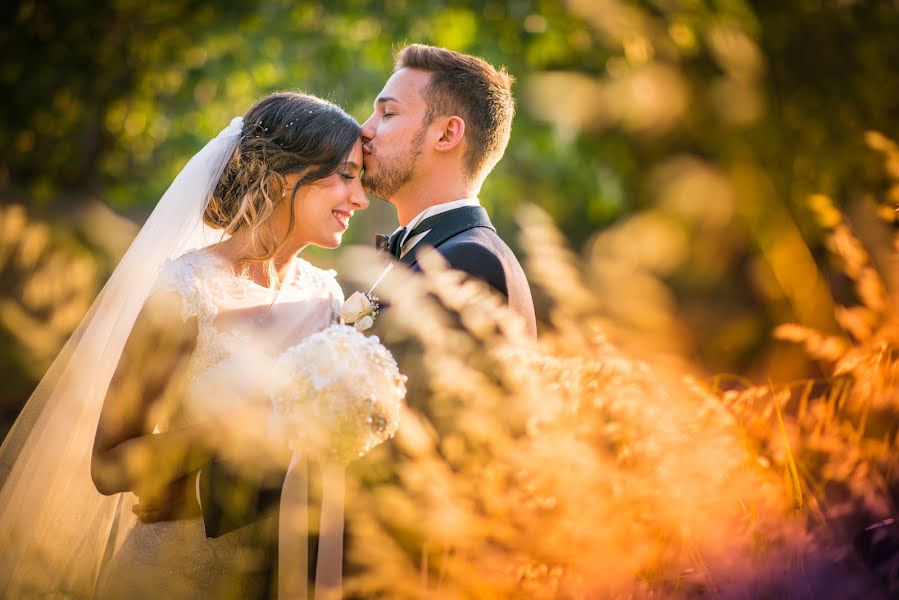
{"points": [[407, 243]]}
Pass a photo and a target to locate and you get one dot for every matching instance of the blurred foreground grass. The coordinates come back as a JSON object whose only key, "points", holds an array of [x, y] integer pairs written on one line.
{"points": [[596, 463], [574, 470]]}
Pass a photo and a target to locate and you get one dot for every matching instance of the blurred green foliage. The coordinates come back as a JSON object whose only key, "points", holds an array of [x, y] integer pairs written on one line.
{"points": [[620, 103]]}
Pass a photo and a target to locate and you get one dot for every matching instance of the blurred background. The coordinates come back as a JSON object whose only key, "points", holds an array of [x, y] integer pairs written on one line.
{"points": [[692, 152]]}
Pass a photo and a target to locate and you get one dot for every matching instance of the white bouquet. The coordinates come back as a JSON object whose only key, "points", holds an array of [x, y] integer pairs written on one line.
{"points": [[336, 395]]}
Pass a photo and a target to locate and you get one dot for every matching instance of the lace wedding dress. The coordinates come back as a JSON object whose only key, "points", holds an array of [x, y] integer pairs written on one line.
{"points": [[175, 559]]}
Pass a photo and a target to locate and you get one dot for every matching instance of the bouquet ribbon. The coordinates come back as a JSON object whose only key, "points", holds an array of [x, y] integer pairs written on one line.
{"points": [[293, 533]]}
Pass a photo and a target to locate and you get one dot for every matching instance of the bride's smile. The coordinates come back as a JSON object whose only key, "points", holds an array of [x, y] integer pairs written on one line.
{"points": [[343, 217]]}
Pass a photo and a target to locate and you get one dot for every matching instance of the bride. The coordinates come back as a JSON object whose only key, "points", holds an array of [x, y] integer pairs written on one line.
{"points": [[101, 474]]}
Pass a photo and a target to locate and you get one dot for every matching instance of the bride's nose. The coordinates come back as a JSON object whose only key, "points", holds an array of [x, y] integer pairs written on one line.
{"points": [[358, 198]]}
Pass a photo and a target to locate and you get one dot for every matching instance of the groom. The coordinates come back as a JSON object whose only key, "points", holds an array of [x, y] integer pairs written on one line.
{"points": [[439, 126]]}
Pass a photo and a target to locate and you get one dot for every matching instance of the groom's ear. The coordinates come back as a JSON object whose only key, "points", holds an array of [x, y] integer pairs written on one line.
{"points": [[451, 133]]}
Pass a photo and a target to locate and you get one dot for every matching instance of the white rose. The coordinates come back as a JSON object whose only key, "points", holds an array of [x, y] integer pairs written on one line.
{"points": [[364, 323], [355, 307]]}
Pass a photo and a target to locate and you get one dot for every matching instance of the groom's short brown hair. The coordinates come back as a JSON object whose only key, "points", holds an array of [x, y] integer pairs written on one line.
{"points": [[473, 89]]}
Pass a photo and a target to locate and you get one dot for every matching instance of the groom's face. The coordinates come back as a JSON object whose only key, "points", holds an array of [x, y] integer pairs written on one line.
{"points": [[393, 136]]}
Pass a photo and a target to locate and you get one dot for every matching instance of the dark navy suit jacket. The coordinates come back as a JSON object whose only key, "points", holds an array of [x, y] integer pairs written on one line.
{"points": [[466, 238]]}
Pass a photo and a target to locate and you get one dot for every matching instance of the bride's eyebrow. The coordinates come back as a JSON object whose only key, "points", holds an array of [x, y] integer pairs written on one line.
{"points": [[350, 165]]}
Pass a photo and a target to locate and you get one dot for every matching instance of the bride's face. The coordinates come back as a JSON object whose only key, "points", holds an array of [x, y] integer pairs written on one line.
{"points": [[323, 209]]}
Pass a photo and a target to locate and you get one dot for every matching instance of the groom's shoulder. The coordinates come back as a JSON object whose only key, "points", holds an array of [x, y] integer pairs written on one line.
{"points": [[480, 251], [483, 254], [477, 241], [474, 252]]}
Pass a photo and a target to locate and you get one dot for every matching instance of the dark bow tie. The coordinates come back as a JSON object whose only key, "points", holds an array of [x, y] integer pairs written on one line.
{"points": [[392, 243], [394, 248]]}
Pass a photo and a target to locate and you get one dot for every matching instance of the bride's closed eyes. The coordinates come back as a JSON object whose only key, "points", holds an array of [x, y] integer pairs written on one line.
{"points": [[350, 170]]}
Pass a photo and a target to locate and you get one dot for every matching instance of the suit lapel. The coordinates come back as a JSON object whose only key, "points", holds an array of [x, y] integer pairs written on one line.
{"points": [[455, 222]]}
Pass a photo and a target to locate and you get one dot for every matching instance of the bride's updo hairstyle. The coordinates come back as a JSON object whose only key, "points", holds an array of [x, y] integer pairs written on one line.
{"points": [[284, 133]]}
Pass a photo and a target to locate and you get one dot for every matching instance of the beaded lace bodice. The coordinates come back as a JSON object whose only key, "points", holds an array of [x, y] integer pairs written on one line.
{"points": [[233, 313]]}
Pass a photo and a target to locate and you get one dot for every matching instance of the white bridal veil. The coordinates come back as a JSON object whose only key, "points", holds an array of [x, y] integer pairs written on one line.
{"points": [[55, 528]]}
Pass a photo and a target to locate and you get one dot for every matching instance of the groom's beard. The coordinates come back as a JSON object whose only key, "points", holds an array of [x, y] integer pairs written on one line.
{"points": [[394, 171]]}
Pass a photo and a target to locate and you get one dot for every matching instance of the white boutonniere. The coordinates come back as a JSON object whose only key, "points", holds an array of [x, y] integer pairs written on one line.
{"points": [[361, 309]]}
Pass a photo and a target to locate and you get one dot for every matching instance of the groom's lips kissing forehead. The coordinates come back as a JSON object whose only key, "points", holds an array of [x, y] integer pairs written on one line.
{"points": [[369, 161]]}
